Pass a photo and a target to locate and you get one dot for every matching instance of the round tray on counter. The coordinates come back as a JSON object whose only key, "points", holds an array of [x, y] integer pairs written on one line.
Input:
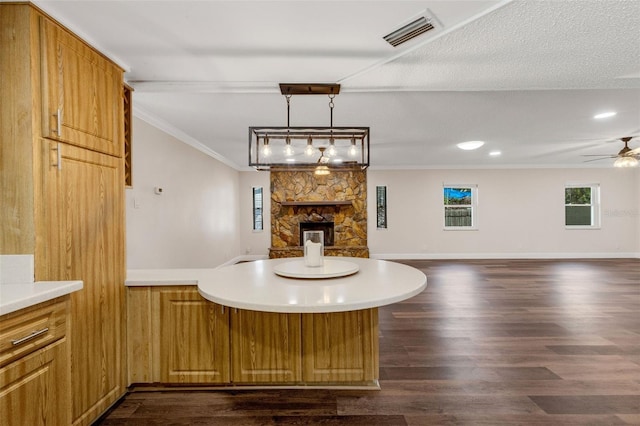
{"points": [[331, 268]]}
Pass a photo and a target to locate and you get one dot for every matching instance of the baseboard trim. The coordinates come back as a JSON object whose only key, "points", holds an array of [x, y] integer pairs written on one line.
{"points": [[453, 256]]}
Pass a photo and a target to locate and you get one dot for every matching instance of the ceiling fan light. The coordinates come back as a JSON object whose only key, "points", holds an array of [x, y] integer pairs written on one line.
{"points": [[321, 171], [470, 145], [625, 161]]}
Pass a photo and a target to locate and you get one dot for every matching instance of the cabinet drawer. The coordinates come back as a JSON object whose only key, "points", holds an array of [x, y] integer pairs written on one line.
{"points": [[32, 328]]}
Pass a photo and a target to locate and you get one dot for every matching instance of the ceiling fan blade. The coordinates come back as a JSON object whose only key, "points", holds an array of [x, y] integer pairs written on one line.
{"points": [[599, 155], [597, 159]]}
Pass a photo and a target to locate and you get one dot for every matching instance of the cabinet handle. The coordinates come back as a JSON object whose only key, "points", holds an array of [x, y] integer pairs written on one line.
{"points": [[58, 115], [222, 309], [33, 335], [58, 156]]}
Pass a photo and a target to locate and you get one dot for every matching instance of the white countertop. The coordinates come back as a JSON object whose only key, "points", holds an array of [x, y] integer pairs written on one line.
{"points": [[16, 296], [254, 286]]}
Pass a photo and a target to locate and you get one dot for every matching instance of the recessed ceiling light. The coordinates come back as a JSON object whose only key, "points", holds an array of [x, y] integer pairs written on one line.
{"points": [[291, 160], [604, 115], [468, 146], [495, 153]]}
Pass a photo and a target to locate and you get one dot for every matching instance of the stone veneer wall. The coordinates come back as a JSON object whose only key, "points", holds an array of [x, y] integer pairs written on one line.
{"points": [[350, 221]]}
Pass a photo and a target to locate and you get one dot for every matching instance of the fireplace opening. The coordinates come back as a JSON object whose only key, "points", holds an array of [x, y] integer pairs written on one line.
{"points": [[326, 227]]}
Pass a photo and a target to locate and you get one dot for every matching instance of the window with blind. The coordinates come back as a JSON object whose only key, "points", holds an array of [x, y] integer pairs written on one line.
{"points": [[381, 207], [257, 209]]}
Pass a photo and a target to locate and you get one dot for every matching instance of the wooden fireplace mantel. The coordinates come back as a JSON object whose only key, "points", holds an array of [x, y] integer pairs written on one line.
{"points": [[316, 203]]}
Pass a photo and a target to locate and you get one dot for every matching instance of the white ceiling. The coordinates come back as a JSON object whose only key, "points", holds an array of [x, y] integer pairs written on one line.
{"points": [[525, 76]]}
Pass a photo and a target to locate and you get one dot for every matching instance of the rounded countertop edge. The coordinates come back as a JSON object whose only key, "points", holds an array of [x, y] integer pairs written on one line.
{"points": [[205, 279], [311, 309]]}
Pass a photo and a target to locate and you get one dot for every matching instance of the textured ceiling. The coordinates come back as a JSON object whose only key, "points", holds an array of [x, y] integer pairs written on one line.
{"points": [[525, 76]]}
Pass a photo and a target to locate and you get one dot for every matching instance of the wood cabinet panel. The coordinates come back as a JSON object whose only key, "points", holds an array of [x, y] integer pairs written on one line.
{"points": [[176, 336], [194, 346], [82, 93], [265, 347], [84, 194], [35, 389], [341, 346]]}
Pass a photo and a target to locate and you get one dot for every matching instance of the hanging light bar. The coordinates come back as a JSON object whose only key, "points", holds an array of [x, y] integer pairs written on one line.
{"points": [[302, 147]]}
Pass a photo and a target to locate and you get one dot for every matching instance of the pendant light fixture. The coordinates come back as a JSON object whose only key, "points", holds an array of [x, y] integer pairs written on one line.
{"points": [[309, 147]]}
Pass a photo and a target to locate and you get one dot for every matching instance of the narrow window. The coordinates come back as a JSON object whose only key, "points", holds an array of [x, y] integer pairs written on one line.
{"points": [[257, 208], [460, 206], [582, 206], [381, 206]]}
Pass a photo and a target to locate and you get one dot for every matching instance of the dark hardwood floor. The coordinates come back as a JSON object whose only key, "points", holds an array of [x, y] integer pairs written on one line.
{"points": [[495, 342]]}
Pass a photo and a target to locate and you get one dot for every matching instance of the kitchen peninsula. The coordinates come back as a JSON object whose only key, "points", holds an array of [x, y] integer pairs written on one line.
{"points": [[245, 325]]}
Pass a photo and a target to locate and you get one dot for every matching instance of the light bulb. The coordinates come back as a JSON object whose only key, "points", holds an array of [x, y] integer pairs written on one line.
{"points": [[352, 149], [332, 148], [309, 149], [266, 149], [288, 150]]}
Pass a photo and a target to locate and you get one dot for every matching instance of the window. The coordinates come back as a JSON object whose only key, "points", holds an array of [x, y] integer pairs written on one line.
{"points": [[257, 208], [582, 206], [460, 205], [381, 206]]}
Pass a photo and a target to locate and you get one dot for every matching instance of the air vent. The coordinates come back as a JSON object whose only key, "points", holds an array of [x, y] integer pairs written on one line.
{"points": [[409, 31]]}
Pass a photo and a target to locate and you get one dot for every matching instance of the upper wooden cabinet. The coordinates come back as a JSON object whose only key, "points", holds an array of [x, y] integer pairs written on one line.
{"points": [[82, 93]]}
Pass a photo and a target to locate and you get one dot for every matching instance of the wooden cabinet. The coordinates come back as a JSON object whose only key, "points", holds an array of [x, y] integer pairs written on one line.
{"points": [[176, 336], [194, 342], [83, 201], [34, 366], [265, 347], [340, 347], [81, 93], [62, 195]]}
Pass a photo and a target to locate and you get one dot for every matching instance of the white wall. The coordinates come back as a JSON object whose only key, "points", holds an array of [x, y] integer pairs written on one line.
{"points": [[520, 214], [195, 222]]}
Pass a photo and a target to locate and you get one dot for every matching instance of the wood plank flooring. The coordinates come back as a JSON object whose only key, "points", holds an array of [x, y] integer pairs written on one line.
{"points": [[493, 342]]}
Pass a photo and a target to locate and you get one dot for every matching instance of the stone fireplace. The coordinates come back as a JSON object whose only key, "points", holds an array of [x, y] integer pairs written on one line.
{"points": [[336, 204]]}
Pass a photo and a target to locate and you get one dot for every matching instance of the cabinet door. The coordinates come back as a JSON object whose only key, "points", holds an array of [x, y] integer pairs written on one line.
{"points": [[341, 346], [85, 241], [194, 338], [81, 93], [34, 390], [265, 347]]}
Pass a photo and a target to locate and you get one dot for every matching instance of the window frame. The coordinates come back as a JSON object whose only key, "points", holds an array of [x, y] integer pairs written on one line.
{"points": [[594, 204], [381, 207], [257, 211], [473, 206]]}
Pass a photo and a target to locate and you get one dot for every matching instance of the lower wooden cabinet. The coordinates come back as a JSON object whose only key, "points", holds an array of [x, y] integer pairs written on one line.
{"points": [[265, 347], [35, 381], [175, 336], [341, 346], [194, 338]]}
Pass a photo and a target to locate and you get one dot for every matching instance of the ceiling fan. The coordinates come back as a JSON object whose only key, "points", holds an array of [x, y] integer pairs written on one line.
{"points": [[626, 157]]}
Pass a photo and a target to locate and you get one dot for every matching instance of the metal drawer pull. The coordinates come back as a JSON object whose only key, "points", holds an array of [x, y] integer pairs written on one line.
{"points": [[29, 337], [58, 156], [58, 115]]}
